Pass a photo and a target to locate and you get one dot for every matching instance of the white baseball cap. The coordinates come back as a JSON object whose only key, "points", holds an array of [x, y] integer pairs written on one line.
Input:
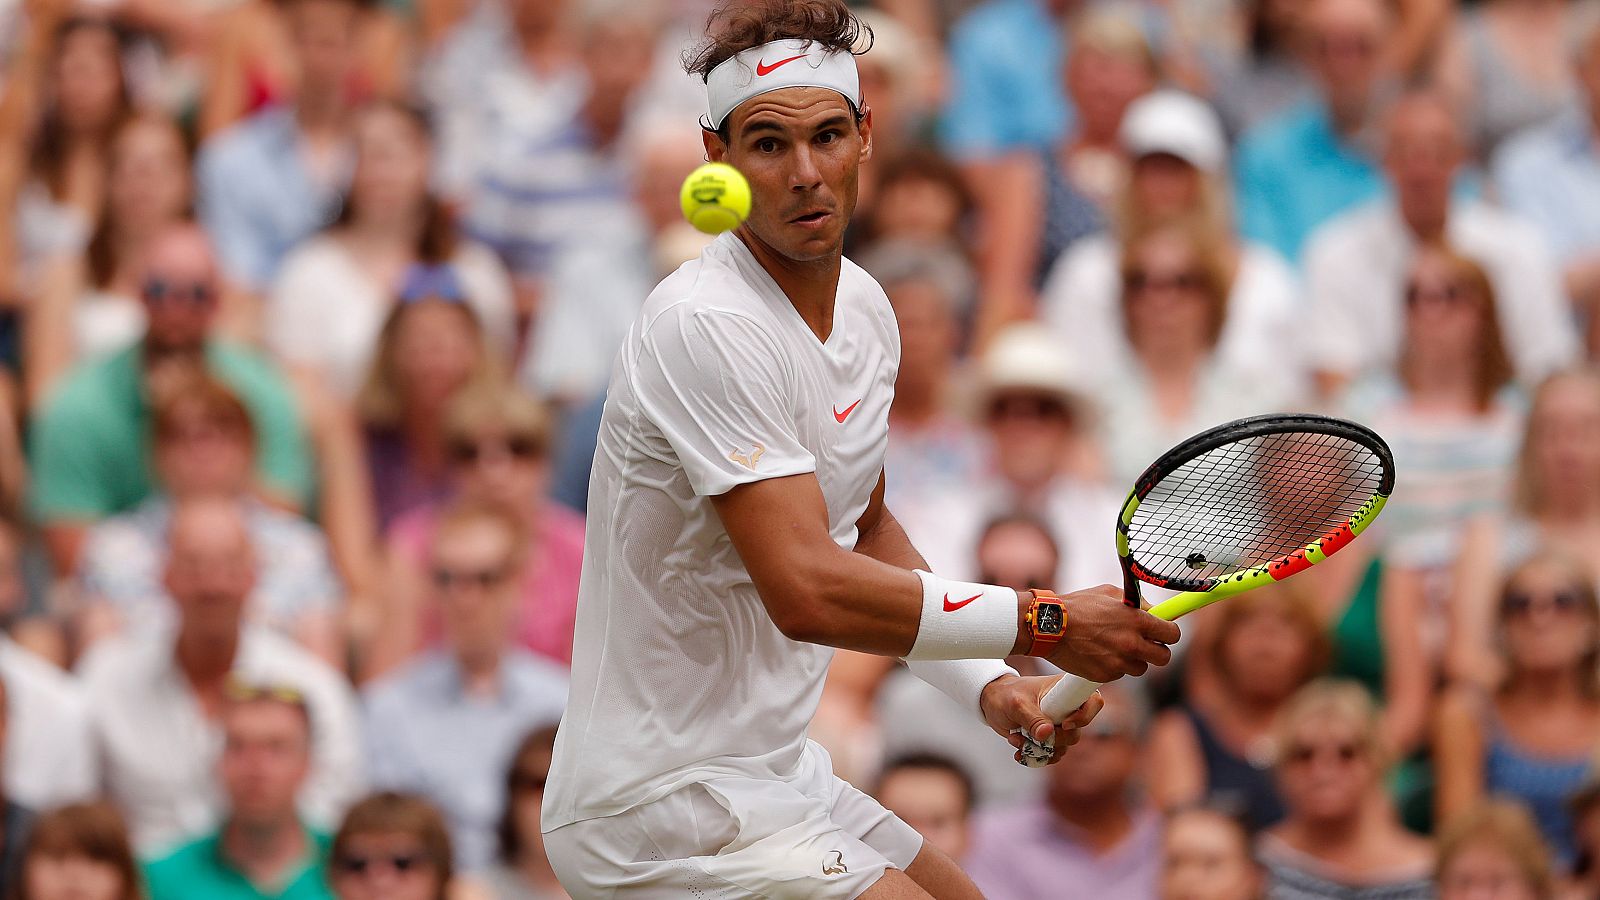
{"points": [[1028, 356], [1172, 122]]}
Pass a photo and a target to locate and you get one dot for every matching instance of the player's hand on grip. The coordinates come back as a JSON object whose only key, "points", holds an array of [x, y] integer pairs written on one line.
{"points": [[1106, 639], [1012, 702]]}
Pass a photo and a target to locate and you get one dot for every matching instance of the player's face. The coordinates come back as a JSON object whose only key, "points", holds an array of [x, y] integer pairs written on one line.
{"points": [[801, 149]]}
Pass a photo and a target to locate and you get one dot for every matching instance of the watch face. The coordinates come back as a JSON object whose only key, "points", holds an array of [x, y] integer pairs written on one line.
{"points": [[1048, 618]]}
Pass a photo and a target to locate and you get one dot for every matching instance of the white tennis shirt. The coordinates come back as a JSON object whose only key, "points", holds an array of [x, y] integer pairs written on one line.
{"points": [[678, 673]]}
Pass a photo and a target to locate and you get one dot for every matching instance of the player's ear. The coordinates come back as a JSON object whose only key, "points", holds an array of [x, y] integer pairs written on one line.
{"points": [[716, 150], [864, 125]]}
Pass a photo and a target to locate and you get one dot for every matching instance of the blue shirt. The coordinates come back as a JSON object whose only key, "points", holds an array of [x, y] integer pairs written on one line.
{"points": [[256, 197], [1550, 175], [199, 869], [1294, 173], [425, 734], [1006, 91]]}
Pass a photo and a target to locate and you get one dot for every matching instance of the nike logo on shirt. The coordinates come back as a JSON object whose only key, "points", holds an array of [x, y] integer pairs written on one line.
{"points": [[841, 416]]}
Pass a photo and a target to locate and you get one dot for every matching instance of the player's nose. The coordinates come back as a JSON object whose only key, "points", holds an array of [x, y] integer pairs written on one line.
{"points": [[805, 176]]}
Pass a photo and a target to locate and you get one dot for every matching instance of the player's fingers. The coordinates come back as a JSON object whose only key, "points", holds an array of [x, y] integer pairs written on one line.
{"points": [[1159, 630], [1085, 714], [1066, 736]]}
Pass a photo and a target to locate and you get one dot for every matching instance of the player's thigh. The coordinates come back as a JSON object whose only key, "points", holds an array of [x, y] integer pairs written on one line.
{"points": [[935, 872]]}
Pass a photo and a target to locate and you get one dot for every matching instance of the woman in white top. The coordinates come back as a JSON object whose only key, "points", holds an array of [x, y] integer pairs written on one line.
{"points": [[1171, 381], [1179, 168], [88, 302], [335, 290]]}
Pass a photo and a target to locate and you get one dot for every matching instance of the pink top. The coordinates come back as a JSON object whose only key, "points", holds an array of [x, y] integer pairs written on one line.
{"points": [[549, 584]]}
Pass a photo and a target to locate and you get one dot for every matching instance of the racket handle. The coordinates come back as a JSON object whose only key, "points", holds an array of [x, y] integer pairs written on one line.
{"points": [[1061, 701]]}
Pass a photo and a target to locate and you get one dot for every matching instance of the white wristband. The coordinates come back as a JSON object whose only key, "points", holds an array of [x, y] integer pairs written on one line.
{"points": [[962, 680], [961, 620]]}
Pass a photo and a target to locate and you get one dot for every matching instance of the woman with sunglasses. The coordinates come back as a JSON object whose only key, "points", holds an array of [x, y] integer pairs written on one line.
{"points": [[523, 871], [1340, 836], [497, 440], [392, 847], [1554, 505], [1173, 382], [1533, 737]]}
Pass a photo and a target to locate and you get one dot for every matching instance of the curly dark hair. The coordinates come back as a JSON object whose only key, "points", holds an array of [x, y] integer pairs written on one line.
{"points": [[738, 25]]}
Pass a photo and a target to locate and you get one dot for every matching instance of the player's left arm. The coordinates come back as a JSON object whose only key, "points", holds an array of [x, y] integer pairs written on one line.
{"points": [[1008, 700]]}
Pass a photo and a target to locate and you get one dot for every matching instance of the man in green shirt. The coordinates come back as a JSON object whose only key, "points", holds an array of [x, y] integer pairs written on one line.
{"points": [[263, 851], [90, 446]]}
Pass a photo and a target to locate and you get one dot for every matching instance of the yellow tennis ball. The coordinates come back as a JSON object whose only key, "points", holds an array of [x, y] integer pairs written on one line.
{"points": [[715, 198]]}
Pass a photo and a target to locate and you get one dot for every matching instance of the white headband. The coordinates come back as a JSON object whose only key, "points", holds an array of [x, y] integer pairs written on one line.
{"points": [[780, 64]]}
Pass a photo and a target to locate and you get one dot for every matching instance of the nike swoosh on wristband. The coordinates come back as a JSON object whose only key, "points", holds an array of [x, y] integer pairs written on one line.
{"points": [[952, 607], [841, 416], [763, 69]]}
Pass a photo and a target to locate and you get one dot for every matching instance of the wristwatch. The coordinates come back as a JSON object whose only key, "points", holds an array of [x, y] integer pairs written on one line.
{"points": [[1047, 622]]}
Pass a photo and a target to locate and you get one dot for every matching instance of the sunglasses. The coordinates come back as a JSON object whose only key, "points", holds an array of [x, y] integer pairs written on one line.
{"points": [[521, 447], [401, 863], [1301, 754], [1022, 406], [450, 579], [169, 292], [1139, 281], [1445, 295], [1522, 603], [527, 782], [243, 692]]}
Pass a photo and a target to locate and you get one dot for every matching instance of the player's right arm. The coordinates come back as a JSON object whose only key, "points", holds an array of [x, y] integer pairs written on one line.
{"points": [[818, 592]]}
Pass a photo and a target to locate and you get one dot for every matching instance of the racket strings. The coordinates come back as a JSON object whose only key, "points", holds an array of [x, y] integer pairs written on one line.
{"points": [[1249, 502]]}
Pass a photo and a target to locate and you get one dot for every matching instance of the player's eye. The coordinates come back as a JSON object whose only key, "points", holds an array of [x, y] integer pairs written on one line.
{"points": [[767, 145], [827, 137]]}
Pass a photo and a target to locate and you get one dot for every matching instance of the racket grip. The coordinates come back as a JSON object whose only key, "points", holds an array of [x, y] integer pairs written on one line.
{"points": [[1062, 700]]}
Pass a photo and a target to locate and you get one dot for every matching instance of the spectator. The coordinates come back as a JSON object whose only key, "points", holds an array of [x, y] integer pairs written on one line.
{"points": [[430, 349], [64, 98], [1533, 738], [902, 76], [548, 190], [392, 847], [921, 210], [1580, 883], [1205, 855], [262, 848], [522, 870], [1041, 463], [1340, 837], [88, 302], [274, 179], [48, 750], [1448, 409], [1355, 263], [1087, 829], [88, 444], [1493, 852], [203, 447], [448, 724], [79, 852], [932, 794], [330, 298], [931, 446], [1003, 103], [1174, 380], [1506, 63], [1179, 173], [1549, 173], [499, 444], [1555, 505], [156, 695], [1215, 747], [1306, 165], [1258, 81]]}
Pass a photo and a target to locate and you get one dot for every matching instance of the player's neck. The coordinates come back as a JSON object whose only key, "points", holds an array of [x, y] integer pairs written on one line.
{"points": [[811, 285]]}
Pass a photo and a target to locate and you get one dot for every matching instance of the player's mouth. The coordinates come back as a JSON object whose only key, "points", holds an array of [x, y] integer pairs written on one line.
{"points": [[813, 219]]}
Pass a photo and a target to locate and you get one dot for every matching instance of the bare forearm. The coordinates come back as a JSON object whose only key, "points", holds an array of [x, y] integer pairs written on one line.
{"points": [[886, 541]]}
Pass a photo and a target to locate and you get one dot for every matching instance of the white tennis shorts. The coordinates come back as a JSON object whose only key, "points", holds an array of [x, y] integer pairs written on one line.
{"points": [[814, 837]]}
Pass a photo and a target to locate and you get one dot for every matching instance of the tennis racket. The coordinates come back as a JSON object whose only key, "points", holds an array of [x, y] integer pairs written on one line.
{"points": [[1233, 508]]}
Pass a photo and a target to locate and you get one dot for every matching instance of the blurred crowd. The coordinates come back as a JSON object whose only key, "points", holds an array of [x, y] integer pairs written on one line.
{"points": [[307, 309]]}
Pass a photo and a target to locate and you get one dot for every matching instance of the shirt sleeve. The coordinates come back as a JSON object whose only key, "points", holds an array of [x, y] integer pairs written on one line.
{"points": [[68, 484], [718, 388]]}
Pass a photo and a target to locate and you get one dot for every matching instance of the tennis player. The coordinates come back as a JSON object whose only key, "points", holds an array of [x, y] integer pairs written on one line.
{"points": [[737, 533]]}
